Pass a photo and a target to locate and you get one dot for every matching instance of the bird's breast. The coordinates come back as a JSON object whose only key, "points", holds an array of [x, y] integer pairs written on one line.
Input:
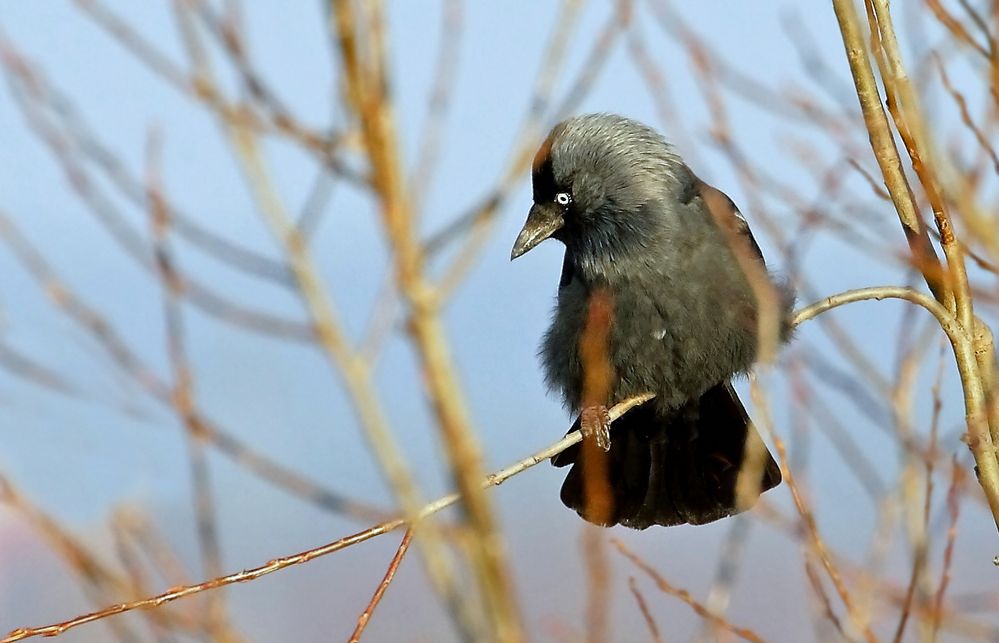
{"points": [[664, 336]]}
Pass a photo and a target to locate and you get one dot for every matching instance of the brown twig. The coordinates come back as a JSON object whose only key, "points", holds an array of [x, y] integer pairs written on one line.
{"points": [[643, 607], [966, 118], [954, 26], [823, 597], [362, 620], [953, 509]]}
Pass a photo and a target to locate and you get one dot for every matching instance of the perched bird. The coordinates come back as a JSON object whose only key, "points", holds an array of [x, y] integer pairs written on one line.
{"points": [[668, 263]]}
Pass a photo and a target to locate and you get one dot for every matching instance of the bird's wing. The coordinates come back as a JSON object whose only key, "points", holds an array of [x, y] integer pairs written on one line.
{"points": [[725, 214]]}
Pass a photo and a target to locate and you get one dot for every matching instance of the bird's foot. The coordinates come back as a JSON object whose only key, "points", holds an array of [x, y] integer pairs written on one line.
{"points": [[594, 424]]}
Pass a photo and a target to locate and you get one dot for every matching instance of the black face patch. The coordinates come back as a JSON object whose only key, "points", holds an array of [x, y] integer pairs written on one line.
{"points": [[545, 187]]}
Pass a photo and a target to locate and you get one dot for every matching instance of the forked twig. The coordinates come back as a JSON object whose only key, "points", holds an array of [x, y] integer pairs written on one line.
{"points": [[685, 596]]}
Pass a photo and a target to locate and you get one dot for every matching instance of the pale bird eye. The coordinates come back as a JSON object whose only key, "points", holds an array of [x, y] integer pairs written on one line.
{"points": [[563, 198]]}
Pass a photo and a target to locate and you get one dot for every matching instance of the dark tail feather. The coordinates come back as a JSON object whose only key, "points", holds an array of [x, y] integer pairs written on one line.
{"points": [[676, 470]]}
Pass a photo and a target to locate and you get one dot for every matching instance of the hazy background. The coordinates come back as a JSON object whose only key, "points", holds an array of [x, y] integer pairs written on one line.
{"points": [[79, 458]]}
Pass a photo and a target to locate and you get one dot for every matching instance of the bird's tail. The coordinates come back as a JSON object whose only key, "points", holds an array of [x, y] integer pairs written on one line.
{"points": [[675, 470]]}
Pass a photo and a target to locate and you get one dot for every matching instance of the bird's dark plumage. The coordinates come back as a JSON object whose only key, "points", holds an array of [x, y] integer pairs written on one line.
{"points": [[675, 260]]}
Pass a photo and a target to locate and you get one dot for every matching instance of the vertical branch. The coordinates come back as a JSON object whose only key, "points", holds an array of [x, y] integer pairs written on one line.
{"points": [[599, 580], [910, 124], [439, 102], [182, 398], [367, 90], [886, 153], [729, 561]]}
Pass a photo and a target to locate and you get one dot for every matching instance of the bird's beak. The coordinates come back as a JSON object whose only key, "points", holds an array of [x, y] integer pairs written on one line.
{"points": [[542, 222]]}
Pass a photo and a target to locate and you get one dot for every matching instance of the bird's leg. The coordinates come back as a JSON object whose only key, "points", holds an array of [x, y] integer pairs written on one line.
{"points": [[594, 424]]}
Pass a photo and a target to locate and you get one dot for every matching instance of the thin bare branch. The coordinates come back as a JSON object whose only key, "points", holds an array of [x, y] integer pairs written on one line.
{"points": [[393, 567], [643, 607]]}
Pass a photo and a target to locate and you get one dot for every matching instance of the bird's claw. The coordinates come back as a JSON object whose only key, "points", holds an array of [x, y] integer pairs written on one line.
{"points": [[594, 424]]}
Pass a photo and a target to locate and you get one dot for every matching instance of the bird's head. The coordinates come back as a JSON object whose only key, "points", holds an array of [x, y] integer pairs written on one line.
{"points": [[594, 177]]}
